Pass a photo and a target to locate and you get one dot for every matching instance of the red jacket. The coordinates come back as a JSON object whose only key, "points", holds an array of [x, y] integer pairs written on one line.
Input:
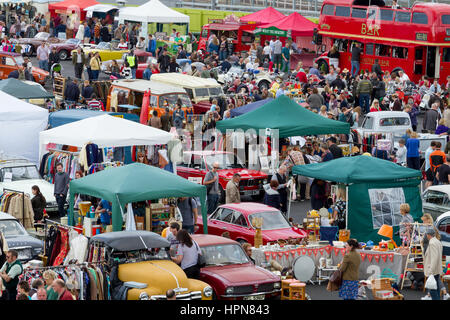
{"points": [[66, 295]]}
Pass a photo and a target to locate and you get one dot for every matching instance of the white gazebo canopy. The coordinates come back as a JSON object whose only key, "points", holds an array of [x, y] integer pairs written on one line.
{"points": [[20, 124], [152, 11], [100, 8], [105, 131]]}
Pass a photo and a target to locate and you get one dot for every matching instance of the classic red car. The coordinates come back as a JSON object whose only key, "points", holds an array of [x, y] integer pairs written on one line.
{"points": [[236, 219], [197, 163], [65, 48], [231, 273], [35, 42], [10, 61]]}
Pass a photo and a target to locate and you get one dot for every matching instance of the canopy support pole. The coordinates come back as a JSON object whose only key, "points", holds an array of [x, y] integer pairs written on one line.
{"points": [[346, 207]]}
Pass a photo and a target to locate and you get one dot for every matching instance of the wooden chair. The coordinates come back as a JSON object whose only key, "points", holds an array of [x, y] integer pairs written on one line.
{"points": [[286, 289], [297, 291]]}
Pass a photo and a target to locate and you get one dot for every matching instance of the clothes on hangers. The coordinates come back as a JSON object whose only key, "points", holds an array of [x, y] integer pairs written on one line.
{"points": [[19, 206], [69, 161]]}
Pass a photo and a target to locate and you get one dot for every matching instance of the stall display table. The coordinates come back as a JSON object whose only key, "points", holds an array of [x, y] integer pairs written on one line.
{"points": [[325, 273], [373, 263]]}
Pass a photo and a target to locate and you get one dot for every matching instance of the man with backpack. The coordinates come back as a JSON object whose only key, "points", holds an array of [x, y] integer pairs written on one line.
{"points": [[437, 158], [189, 212]]}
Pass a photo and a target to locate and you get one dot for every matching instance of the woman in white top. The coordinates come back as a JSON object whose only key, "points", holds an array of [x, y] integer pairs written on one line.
{"points": [[187, 255], [323, 111], [356, 114]]}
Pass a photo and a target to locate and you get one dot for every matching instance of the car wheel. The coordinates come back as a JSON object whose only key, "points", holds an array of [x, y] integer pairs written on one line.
{"points": [[63, 55], [263, 84]]}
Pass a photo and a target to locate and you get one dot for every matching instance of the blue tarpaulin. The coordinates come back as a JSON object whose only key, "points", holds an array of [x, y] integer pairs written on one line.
{"points": [[59, 118], [248, 107]]}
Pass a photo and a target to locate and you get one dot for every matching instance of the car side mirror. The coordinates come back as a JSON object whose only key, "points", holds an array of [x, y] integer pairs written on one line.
{"points": [[197, 166]]}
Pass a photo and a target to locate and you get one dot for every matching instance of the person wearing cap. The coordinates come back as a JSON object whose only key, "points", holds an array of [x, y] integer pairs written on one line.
{"points": [[334, 149], [232, 190], [432, 261]]}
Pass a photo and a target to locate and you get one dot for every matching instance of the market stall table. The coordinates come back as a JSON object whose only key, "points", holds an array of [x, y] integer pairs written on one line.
{"points": [[373, 262]]}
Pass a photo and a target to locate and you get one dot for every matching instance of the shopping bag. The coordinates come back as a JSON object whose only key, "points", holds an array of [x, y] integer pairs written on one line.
{"points": [[431, 283], [331, 286]]}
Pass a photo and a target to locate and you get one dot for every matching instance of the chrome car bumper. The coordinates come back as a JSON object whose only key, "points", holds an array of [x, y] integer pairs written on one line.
{"points": [[194, 295]]}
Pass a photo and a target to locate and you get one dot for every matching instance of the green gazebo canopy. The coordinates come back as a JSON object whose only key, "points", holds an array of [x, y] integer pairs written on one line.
{"points": [[288, 117], [375, 190], [132, 183], [23, 90], [359, 169]]}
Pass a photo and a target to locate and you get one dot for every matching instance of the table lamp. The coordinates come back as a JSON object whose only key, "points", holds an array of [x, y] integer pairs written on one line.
{"points": [[387, 231]]}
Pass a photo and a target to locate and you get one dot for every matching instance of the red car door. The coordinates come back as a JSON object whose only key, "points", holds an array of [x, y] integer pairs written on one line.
{"points": [[220, 221], [241, 229]]}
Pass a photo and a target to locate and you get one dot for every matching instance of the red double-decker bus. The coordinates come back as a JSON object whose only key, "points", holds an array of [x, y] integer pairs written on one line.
{"points": [[416, 39]]}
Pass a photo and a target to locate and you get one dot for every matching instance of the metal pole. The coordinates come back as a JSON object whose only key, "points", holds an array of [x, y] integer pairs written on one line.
{"points": [[346, 207]]}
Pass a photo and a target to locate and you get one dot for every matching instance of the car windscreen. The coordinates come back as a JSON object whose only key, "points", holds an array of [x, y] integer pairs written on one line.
{"points": [[225, 160], [394, 121], [271, 220], [201, 92], [20, 173], [73, 41], [104, 46], [219, 255], [12, 228], [19, 60], [41, 35], [172, 99], [215, 91]]}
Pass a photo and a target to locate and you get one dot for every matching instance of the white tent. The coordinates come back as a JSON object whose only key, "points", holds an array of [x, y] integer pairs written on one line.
{"points": [[20, 124], [152, 11], [105, 131]]}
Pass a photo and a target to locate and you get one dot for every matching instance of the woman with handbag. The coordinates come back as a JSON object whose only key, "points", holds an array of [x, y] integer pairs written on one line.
{"points": [[350, 271], [188, 255]]}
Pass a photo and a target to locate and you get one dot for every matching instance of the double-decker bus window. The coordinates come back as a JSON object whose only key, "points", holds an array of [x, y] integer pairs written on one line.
{"points": [[359, 13], [403, 16], [373, 14], [341, 44], [386, 15], [369, 49], [399, 52], [328, 10], [342, 11], [382, 50], [420, 18], [446, 55], [445, 19]]}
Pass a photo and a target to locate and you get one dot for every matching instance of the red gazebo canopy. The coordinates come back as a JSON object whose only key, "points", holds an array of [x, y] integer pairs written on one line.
{"points": [[298, 24], [71, 5], [267, 15]]}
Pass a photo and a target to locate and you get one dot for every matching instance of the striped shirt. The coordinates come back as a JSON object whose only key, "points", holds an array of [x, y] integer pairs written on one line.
{"points": [[95, 105]]}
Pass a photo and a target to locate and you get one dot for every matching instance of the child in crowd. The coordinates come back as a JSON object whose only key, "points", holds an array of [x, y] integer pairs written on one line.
{"points": [[405, 224], [401, 153]]}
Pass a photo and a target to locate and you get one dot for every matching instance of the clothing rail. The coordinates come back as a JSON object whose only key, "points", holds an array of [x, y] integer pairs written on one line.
{"points": [[23, 198], [55, 223], [83, 264], [64, 151]]}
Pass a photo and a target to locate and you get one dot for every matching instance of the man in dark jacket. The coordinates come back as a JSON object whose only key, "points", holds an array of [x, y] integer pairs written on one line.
{"points": [[378, 87], [61, 188], [166, 121], [339, 83], [272, 197], [431, 118], [334, 149], [104, 34], [72, 92], [164, 61], [87, 91], [53, 58], [78, 61], [364, 90], [356, 52], [377, 69]]}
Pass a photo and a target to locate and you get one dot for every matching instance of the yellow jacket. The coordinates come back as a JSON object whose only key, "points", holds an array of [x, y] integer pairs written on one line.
{"points": [[95, 64]]}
